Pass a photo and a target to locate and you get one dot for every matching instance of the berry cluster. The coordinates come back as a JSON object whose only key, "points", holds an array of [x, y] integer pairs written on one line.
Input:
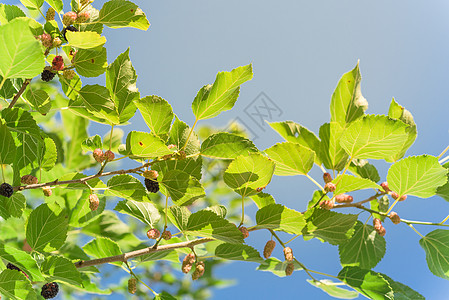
{"points": [[132, 285], [199, 270], [166, 235], [268, 249], [378, 227], [94, 202], [6, 190], [187, 263], [29, 179], [50, 290], [244, 231], [288, 254], [151, 185], [153, 234], [47, 74]]}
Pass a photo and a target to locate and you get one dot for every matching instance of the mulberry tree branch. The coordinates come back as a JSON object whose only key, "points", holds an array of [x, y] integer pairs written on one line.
{"points": [[81, 180], [129, 255]]}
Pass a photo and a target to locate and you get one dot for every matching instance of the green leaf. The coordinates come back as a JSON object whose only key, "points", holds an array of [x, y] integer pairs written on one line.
{"points": [[179, 216], [21, 259], [225, 145], [419, 176], [279, 217], [291, 159], [145, 145], [103, 247], [219, 210], [347, 183], [15, 285], [181, 187], [207, 224], [45, 230], [364, 249], [295, 133], [7, 146], [56, 4], [401, 291], [381, 205], [92, 143], [9, 12], [362, 168], [144, 211], [399, 112], [211, 100], [12, 207], [9, 88], [157, 114], [85, 39], [368, 283], [374, 137], [59, 268], [126, 186], [121, 82], [262, 199], [21, 53], [98, 101], [443, 190], [32, 4], [109, 225], [331, 153], [90, 63], [334, 228], [81, 214], [238, 252], [248, 173], [49, 157], [276, 266], [119, 13], [347, 103], [164, 296], [191, 165], [39, 99], [436, 246], [179, 133], [333, 289]]}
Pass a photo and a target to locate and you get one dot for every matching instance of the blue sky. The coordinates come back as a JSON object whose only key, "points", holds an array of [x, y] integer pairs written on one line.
{"points": [[299, 50]]}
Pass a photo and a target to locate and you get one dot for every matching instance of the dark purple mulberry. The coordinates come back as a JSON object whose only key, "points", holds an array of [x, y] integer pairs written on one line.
{"points": [[50, 290], [6, 190], [152, 186]]}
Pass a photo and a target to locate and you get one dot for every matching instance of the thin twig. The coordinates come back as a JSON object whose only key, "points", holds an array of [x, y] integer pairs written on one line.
{"points": [[129, 255], [20, 92], [81, 180]]}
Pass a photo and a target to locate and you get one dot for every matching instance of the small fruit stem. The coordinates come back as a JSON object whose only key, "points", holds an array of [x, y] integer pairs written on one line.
{"points": [[190, 133], [292, 239], [130, 271], [314, 181], [411, 226], [344, 170], [394, 203], [444, 220], [444, 151], [243, 212]]}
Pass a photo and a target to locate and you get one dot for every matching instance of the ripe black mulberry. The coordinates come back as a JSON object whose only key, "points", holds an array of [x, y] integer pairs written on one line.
{"points": [[50, 290], [151, 185], [6, 190], [47, 75]]}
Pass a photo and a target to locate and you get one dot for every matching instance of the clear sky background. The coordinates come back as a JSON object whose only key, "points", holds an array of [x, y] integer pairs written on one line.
{"points": [[299, 50]]}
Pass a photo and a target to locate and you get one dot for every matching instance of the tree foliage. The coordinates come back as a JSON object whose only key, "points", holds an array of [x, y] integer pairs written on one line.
{"points": [[181, 206]]}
